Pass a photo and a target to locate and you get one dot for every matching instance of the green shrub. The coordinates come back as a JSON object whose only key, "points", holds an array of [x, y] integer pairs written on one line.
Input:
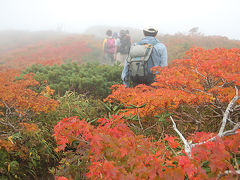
{"points": [[31, 156], [91, 79], [73, 104]]}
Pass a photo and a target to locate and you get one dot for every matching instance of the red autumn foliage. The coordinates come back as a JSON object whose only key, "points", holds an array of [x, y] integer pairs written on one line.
{"points": [[115, 152], [62, 178], [48, 53], [204, 77]]}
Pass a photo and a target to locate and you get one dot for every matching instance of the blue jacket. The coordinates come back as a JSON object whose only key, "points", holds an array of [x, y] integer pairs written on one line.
{"points": [[159, 56]]}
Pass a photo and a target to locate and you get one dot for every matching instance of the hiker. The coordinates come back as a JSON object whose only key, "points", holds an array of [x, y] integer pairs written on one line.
{"points": [[115, 35], [123, 45], [144, 55], [109, 47], [127, 33]]}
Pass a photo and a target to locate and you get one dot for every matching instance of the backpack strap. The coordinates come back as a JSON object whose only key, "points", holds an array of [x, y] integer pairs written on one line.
{"points": [[152, 58], [149, 52]]}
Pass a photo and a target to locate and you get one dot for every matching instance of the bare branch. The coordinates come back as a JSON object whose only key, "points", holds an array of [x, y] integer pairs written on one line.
{"points": [[226, 116], [3, 132], [8, 124], [204, 142], [227, 112], [231, 122], [81, 140], [236, 107], [232, 131], [235, 160], [228, 172], [224, 82], [198, 73], [199, 90], [215, 110], [193, 119], [139, 120], [150, 127], [231, 172], [187, 146], [5, 104], [186, 90]]}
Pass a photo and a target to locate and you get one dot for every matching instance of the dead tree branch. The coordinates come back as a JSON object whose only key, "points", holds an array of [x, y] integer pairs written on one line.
{"points": [[188, 146], [227, 112]]}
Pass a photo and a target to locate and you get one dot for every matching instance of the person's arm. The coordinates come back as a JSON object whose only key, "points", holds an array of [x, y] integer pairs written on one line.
{"points": [[104, 45], [115, 52], [164, 56], [117, 42], [130, 39]]}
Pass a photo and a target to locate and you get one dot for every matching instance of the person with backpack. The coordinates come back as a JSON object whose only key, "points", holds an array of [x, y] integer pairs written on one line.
{"points": [[144, 55], [127, 33], [109, 47], [123, 45], [115, 35]]}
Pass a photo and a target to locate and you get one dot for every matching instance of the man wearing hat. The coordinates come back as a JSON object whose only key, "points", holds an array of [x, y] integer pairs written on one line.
{"points": [[159, 54]]}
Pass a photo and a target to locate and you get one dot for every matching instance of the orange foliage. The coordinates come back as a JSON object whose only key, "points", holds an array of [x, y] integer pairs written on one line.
{"points": [[16, 94], [7, 145], [204, 77], [62, 178], [32, 128], [48, 91]]}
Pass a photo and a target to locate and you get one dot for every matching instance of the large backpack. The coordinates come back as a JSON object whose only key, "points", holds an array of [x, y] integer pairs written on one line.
{"points": [[110, 45], [125, 44], [138, 59]]}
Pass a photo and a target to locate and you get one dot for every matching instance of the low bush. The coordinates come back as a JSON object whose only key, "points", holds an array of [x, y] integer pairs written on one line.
{"points": [[28, 153], [92, 79]]}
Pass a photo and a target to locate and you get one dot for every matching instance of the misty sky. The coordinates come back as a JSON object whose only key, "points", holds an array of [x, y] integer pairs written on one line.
{"points": [[213, 17]]}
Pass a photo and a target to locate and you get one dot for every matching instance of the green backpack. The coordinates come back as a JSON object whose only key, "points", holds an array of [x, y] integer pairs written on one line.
{"points": [[138, 58]]}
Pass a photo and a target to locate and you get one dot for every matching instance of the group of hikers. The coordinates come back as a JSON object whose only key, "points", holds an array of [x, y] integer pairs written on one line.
{"points": [[137, 58], [116, 46]]}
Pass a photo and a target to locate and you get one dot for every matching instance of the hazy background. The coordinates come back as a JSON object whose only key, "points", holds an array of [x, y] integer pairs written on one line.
{"points": [[213, 17]]}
